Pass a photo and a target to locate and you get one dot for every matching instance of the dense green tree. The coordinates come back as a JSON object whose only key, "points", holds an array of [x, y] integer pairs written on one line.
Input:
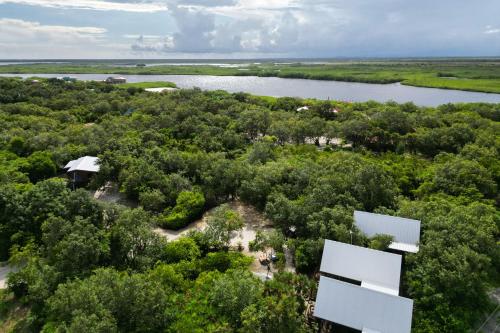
{"points": [[134, 303], [184, 248], [152, 200], [40, 166], [132, 242], [221, 224], [74, 248], [308, 255]]}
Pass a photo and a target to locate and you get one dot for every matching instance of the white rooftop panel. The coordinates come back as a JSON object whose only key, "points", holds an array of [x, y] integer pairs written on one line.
{"points": [[361, 264], [362, 309], [405, 231], [367, 330], [69, 164], [86, 163], [376, 287], [404, 247]]}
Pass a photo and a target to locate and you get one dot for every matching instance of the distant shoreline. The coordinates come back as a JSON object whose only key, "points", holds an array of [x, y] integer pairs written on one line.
{"points": [[469, 74]]}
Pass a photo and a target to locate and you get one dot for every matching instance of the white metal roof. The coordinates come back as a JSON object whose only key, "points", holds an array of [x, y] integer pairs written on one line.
{"points": [[380, 288], [361, 308], [374, 267], [85, 163], [406, 232], [367, 330]]}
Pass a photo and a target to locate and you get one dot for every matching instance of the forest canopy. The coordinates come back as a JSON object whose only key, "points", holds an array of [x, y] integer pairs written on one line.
{"points": [[91, 266]]}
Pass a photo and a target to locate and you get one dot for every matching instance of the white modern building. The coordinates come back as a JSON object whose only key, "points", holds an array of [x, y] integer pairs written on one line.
{"points": [[359, 288], [406, 232], [361, 308], [373, 269]]}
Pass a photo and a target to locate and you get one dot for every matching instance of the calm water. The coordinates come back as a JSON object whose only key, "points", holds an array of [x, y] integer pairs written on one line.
{"points": [[335, 90]]}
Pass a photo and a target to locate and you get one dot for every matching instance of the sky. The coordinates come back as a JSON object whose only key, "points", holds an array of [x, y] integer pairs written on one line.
{"points": [[183, 29]]}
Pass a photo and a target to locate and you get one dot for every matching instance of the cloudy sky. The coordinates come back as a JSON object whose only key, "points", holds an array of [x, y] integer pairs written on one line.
{"points": [[59, 29]]}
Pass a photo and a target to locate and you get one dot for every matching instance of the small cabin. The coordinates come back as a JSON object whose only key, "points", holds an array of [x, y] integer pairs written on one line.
{"points": [[80, 171], [116, 80]]}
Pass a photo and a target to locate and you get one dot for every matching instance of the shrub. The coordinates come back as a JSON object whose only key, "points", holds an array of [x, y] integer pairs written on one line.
{"points": [[182, 249], [189, 206], [40, 166], [381, 242], [152, 200], [308, 255]]}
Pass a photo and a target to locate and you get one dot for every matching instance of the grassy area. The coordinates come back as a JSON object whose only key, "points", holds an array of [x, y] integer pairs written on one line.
{"points": [[471, 75]]}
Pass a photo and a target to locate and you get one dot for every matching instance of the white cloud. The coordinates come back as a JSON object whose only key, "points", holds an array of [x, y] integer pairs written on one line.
{"points": [[491, 30], [139, 7], [26, 39], [256, 26], [154, 44], [20, 31], [135, 36], [288, 28]]}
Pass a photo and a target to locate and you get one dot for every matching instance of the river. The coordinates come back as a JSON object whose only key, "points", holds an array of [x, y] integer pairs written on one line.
{"points": [[278, 87]]}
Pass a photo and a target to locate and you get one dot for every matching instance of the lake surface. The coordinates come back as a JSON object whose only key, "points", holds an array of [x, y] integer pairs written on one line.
{"points": [[278, 87]]}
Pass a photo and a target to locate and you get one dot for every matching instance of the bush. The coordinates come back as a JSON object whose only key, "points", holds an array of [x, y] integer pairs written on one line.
{"points": [[308, 255], [152, 200], [222, 261], [381, 242], [189, 206], [40, 166], [182, 249]]}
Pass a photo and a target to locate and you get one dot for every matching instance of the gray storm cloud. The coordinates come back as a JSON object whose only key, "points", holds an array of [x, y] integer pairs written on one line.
{"points": [[331, 28]]}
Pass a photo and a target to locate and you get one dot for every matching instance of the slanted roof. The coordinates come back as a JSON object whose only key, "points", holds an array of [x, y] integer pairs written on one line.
{"points": [[85, 163], [377, 269], [361, 308], [406, 232]]}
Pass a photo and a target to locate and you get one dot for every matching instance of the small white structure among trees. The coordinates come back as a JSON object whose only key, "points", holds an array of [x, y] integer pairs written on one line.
{"points": [[80, 170]]}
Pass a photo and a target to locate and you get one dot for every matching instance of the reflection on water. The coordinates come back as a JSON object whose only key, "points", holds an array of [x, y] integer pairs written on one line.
{"points": [[335, 90]]}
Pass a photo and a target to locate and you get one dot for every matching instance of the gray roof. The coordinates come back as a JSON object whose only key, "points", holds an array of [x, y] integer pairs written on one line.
{"points": [[376, 269], [406, 232], [361, 308], [85, 163]]}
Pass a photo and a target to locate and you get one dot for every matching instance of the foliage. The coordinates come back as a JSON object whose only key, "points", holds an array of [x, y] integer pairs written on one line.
{"points": [[110, 300], [188, 207], [182, 249], [308, 255], [220, 226], [380, 242], [39, 166], [85, 265]]}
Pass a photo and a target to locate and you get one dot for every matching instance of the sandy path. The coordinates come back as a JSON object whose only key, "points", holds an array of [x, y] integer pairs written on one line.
{"points": [[4, 270], [254, 221]]}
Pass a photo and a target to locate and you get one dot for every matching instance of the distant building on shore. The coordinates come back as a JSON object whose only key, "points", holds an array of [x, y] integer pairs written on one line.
{"points": [[116, 80]]}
